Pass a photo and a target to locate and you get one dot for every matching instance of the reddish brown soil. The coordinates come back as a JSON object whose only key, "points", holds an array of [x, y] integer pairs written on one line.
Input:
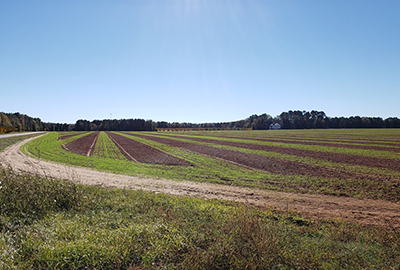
{"points": [[300, 139], [140, 152], [394, 148], [333, 157], [272, 165], [340, 139], [83, 145]]}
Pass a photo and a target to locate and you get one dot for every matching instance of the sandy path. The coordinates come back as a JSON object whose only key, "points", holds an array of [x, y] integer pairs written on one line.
{"points": [[363, 211]]}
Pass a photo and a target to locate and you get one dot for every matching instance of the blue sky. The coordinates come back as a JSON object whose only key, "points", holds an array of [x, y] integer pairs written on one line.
{"points": [[198, 60]]}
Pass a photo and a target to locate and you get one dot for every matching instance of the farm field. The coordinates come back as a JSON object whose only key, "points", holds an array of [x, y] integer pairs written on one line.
{"points": [[350, 163], [55, 224]]}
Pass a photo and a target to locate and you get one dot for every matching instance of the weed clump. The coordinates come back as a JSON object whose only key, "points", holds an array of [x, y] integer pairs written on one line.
{"points": [[24, 195]]}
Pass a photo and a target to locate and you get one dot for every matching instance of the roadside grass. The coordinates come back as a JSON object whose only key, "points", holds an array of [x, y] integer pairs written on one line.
{"points": [[6, 142], [55, 224]]}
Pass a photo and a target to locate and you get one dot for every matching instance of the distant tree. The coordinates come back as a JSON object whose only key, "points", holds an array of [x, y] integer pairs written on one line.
{"points": [[260, 122], [82, 125], [162, 124], [4, 121], [392, 122]]}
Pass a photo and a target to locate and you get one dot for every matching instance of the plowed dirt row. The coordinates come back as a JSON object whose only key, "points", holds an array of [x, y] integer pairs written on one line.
{"points": [[144, 153], [393, 143], [366, 212], [83, 145], [333, 157], [342, 144], [272, 165]]}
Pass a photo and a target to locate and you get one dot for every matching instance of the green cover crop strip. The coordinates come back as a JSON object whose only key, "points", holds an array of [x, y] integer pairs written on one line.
{"points": [[106, 148]]}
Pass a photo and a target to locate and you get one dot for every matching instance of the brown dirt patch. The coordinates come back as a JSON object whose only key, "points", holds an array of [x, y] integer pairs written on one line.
{"points": [[309, 140], [140, 152], [83, 145], [341, 144]]}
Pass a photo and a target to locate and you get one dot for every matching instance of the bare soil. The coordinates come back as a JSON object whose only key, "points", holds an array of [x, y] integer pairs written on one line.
{"points": [[338, 143], [140, 152], [83, 145], [362, 211], [327, 142]]}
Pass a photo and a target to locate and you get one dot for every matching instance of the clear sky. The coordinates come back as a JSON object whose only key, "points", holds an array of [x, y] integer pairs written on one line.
{"points": [[198, 60]]}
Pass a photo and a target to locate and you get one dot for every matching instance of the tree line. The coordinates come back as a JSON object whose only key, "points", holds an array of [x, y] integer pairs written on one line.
{"points": [[17, 122], [10, 122], [292, 120], [115, 125]]}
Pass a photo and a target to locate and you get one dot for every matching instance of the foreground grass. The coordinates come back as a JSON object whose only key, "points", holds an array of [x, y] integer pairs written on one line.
{"points": [[53, 224]]}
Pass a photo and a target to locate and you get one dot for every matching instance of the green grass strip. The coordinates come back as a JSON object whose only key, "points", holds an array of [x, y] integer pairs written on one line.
{"points": [[106, 148], [6, 142]]}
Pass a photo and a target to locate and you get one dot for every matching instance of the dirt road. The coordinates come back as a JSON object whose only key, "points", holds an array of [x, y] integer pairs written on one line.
{"points": [[19, 134], [363, 211]]}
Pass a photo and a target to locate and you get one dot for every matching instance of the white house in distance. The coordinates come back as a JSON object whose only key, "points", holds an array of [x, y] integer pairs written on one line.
{"points": [[275, 126]]}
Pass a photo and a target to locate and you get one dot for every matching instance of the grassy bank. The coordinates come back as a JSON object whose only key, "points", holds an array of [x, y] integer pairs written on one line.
{"points": [[54, 224], [6, 142]]}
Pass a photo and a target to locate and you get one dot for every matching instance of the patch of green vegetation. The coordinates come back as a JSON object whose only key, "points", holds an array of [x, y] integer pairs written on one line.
{"points": [[6, 142], [106, 148], [73, 226]]}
